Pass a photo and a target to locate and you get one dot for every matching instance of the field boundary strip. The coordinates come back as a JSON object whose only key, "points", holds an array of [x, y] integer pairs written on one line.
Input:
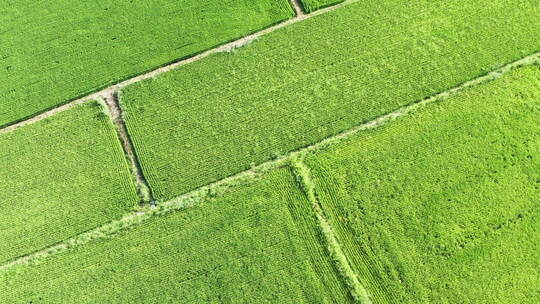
{"points": [[224, 185], [115, 113], [303, 176], [115, 88]]}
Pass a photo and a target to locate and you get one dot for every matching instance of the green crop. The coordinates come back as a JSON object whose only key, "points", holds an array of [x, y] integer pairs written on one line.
{"points": [[438, 202], [442, 206], [258, 244], [439, 206], [59, 177], [313, 5], [313, 79], [55, 51]]}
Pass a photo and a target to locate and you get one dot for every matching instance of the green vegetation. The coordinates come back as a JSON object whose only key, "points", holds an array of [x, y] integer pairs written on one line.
{"points": [[442, 206], [59, 177], [258, 244], [218, 116], [357, 291], [436, 207], [54, 51], [435, 203], [313, 5]]}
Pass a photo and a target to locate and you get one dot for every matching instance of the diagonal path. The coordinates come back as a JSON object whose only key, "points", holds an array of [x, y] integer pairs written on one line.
{"points": [[143, 188]]}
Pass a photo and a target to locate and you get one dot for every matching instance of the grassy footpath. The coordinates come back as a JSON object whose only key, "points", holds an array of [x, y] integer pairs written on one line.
{"points": [[313, 79], [442, 206], [257, 244], [313, 5], [51, 52], [356, 289], [61, 176]]}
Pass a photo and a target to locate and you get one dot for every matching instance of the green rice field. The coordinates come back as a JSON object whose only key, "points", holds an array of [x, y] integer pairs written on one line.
{"points": [[258, 243], [313, 5], [270, 151], [61, 176], [443, 206], [304, 83], [52, 52]]}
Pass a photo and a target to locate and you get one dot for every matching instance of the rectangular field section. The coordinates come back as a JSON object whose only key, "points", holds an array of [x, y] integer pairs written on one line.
{"points": [[54, 51], [442, 206], [61, 176], [313, 79], [257, 244]]}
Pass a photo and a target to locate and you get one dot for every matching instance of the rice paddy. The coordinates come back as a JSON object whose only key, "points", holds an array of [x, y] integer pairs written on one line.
{"points": [[256, 244], [216, 117], [53, 52], [60, 177], [442, 206], [270, 151]]}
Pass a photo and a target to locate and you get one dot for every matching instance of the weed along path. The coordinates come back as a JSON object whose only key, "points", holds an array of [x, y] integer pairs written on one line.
{"points": [[142, 185]]}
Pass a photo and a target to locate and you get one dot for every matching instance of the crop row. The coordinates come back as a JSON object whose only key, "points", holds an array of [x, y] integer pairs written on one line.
{"points": [[251, 245], [425, 209], [59, 177], [313, 5]]}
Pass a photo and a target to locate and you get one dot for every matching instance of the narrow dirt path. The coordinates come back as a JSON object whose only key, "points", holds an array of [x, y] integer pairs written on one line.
{"points": [[298, 7], [356, 289]]}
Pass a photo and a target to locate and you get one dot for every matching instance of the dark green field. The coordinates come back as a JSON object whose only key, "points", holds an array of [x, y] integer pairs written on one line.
{"points": [[55, 51]]}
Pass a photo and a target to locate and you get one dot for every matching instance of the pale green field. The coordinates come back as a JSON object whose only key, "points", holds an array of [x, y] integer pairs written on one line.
{"points": [[313, 5]]}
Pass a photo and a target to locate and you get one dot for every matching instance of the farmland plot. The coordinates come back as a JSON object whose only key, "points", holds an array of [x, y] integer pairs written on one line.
{"points": [[54, 51], [257, 244], [296, 86], [442, 206], [59, 177], [313, 5]]}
